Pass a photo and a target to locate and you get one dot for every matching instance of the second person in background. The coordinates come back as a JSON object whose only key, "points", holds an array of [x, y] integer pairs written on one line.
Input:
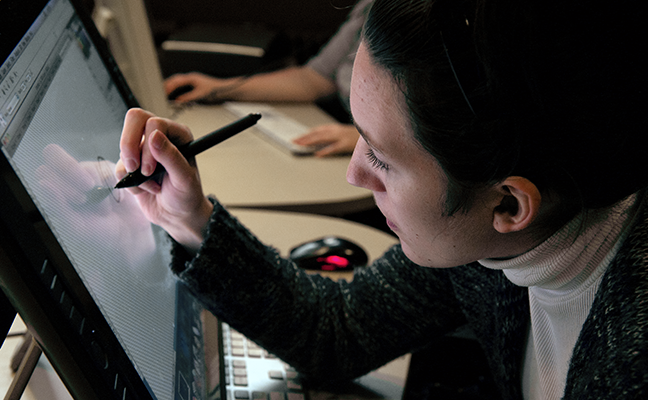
{"points": [[326, 74]]}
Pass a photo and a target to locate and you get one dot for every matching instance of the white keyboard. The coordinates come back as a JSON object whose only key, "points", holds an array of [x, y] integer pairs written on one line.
{"points": [[251, 373], [275, 125]]}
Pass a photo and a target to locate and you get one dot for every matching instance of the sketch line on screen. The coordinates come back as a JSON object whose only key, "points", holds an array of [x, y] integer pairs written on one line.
{"points": [[106, 189]]}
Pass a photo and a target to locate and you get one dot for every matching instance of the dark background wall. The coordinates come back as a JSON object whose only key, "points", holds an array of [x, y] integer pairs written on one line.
{"points": [[307, 23]]}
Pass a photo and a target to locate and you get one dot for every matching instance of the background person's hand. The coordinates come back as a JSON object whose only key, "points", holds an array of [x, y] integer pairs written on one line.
{"points": [[331, 139], [204, 87]]}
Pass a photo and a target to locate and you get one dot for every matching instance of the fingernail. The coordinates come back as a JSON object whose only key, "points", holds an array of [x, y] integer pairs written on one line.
{"points": [[157, 139], [130, 164], [146, 169]]}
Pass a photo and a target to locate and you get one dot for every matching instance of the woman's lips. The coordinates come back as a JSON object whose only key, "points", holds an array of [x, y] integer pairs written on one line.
{"points": [[390, 224]]}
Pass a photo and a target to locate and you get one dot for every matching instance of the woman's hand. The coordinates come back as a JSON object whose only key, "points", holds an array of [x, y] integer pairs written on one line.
{"points": [[177, 202]]}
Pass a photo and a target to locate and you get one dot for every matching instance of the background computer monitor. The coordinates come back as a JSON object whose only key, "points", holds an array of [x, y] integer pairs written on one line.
{"points": [[125, 26]]}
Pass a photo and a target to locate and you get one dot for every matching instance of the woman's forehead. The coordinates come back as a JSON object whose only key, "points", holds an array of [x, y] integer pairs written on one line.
{"points": [[368, 74], [375, 95]]}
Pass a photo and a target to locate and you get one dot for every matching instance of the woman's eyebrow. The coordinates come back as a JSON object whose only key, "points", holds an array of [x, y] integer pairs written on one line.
{"points": [[362, 132], [371, 144]]}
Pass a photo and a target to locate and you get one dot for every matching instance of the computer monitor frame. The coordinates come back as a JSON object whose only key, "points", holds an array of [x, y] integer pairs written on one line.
{"points": [[36, 273], [126, 27]]}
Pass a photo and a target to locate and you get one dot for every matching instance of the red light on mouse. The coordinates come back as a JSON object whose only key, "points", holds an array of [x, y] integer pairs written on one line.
{"points": [[333, 263]]}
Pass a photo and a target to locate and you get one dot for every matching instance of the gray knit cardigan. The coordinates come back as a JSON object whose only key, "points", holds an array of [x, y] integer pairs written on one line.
{"points": [[342, 330]]}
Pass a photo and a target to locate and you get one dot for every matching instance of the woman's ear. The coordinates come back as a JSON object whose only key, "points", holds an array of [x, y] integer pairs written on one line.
{"points": [[519, 205]]}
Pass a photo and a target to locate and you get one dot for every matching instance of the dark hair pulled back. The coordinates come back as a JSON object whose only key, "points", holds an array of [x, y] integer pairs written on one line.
{"points": [[558, 90]]}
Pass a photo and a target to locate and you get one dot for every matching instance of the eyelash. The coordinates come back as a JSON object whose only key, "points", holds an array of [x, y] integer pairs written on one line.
{"points": [[376, 163]]}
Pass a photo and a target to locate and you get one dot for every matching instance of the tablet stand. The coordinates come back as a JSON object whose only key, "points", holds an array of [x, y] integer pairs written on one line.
{"points": [[25, 357], [23, 364]]}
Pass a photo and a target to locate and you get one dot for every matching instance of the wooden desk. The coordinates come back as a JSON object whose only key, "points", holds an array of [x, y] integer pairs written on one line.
{"points": [[251, 172]]}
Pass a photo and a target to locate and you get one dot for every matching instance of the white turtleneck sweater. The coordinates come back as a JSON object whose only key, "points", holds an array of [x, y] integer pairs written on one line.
{"points": [[563, 274]]}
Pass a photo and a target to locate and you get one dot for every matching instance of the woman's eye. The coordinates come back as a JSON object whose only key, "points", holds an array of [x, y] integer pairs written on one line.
{"points": [[375, 162]]}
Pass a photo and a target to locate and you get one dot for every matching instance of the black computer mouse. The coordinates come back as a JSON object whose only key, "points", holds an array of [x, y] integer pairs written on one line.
{"points": [[329, 254], [179, 91]]}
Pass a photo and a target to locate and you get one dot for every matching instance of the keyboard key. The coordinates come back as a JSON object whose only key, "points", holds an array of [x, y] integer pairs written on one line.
{"points": [[241, 394], [275, 375], [246, 356], [255, 353], [240, 381], [277, 396]]}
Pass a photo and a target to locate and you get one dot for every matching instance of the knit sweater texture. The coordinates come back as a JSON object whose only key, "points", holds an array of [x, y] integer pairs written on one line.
{"points": [[341, 330]]}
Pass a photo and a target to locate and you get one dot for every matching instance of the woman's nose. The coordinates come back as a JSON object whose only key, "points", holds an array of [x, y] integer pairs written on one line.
{"points": [[360, 173]]}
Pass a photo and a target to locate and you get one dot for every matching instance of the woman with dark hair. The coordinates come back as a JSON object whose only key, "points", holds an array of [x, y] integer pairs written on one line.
{"points": [[503, 140]]}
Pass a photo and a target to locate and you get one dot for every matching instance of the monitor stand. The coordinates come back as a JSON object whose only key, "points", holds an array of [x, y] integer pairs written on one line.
{"points": [[23, 364], [26, 356]]}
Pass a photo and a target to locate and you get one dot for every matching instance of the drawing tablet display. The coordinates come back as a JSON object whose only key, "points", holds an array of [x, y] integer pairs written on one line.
{"points": [[78, 261]]}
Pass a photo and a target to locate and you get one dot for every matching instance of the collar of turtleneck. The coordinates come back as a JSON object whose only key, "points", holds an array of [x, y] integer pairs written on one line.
{"points": [[570, 257], [563, 275]]}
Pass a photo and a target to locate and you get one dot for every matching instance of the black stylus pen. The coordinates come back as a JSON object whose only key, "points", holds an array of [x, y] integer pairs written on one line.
{"points": [[193, 148]]}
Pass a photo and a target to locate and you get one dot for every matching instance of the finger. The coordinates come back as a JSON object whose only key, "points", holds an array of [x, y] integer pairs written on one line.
{"points": [[120, 172], [331, 150], [317, 136], [141, 125], [180, 173], [175, 81], [152, 186], [132, 136], [149, 162], [177, 133], [343, 141], [191, 95]]}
